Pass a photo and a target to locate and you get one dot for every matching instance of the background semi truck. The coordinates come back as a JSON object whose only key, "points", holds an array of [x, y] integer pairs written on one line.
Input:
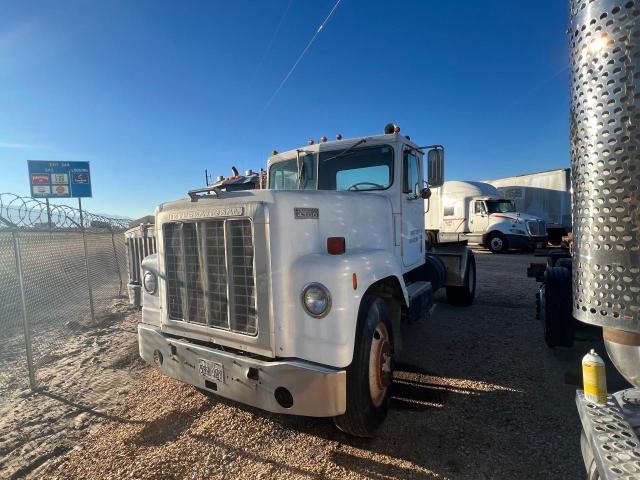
{"points": [[479, 213], [295, 298], [547, 195]]}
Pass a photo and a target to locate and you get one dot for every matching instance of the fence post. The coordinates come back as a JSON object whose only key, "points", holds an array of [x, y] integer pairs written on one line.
{"points": [[25, 314], [86, 262], [115, 257]]}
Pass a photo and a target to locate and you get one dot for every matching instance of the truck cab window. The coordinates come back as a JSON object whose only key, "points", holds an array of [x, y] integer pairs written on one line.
{"points": [[356, 170], [411, 178], [284, 175], [479, 207], [501, 206]]}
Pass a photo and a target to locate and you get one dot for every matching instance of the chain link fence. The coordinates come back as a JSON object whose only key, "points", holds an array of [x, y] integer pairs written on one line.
{"points": [[60, 274]]}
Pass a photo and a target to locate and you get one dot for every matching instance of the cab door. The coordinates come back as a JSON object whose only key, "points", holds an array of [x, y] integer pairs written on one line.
{"points": [[478, 217], [412, 209]]}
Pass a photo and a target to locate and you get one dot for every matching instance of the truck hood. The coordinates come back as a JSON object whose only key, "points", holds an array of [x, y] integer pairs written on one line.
{"points": [[289, 231], [522, 217], [300, 220]]}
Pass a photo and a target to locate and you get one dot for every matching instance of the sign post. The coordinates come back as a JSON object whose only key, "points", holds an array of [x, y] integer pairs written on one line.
{"points": [[49, 215], [64, 180]]}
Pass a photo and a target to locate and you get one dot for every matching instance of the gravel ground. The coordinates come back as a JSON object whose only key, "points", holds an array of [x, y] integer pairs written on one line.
{"points": [[477, 395]]}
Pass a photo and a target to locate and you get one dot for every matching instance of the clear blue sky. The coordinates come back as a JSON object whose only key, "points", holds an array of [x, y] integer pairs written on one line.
{"points": [[154, 92]]}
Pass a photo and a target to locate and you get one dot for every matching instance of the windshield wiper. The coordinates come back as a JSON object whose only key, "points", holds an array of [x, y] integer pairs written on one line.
{"points": [[344, 152]]}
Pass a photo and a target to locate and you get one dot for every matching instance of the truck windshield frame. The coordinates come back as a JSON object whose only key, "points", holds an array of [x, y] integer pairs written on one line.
{"points": [[500, 206], [283, 175]]}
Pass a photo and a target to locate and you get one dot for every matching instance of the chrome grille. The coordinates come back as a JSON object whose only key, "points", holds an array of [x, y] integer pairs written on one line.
{"points": [[536, 227], [139, 242], [208, 263]]}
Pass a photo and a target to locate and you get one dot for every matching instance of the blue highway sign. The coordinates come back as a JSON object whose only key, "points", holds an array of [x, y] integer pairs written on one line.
{"points": [[59, 179]]}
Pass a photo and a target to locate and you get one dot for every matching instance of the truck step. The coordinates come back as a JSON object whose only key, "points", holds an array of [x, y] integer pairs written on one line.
{"points": [[415, 289]]}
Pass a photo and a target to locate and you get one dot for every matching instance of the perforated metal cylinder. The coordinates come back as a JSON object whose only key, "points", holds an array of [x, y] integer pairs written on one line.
{"points": [[604, 38]]}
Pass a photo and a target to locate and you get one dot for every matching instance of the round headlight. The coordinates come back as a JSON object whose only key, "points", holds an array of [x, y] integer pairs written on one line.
{"points": [[316, 300], [150, 282]]}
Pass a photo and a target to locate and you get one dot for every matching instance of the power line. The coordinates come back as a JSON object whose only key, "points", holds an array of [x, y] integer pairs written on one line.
{"points": [[315, 35], [272, 40]]}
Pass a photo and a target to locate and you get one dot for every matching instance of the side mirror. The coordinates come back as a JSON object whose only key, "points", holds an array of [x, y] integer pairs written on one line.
{"points": [[435, 161], [425, 193]]}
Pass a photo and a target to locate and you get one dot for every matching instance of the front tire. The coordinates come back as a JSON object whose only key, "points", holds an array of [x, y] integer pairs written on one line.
{"points": [[370, 374], [497, 242], [463, 296]]}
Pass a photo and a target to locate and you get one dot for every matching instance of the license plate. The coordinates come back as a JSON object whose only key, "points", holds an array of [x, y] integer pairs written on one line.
{"points": [[211, 370]]}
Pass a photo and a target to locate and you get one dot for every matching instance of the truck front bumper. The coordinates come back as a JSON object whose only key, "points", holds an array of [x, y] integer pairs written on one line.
{"points": [[315, 390], [609, 436], [524, 242]]}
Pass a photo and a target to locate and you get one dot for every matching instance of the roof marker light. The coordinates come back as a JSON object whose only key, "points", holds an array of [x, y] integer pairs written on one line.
{"points": [[311, 142], [339, 136], [274, 152], [323, 139]]}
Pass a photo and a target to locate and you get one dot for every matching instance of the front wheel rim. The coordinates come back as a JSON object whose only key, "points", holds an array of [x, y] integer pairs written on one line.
{"points": [[380, 364], [496, 243]]}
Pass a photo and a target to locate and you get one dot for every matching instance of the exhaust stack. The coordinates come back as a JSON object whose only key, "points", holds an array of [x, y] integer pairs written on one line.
{"points": [[604, 39]]}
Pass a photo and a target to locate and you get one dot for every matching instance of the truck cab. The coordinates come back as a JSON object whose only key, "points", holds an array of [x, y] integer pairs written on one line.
{"points": [[477, 212], [294, 298]]}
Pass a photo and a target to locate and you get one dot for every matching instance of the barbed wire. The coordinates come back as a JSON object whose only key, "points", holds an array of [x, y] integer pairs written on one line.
{"points": [[27, 212]]}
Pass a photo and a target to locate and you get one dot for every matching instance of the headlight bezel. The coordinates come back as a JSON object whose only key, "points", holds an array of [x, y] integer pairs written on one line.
{"points": [[153, 276], [327, 294]]}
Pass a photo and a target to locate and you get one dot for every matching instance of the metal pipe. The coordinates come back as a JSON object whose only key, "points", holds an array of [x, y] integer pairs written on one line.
{"points": [[115, 257], [48, 214], [86, 262], [605, 162], [25, 314]]}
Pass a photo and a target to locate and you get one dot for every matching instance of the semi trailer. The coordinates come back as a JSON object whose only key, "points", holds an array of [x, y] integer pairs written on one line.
{"points": [[295, 298], [547, 195], [478, 213]]}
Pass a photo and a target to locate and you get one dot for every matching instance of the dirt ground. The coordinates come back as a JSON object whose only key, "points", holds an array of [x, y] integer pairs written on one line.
{"points": [[476, 395], [80, 381]]}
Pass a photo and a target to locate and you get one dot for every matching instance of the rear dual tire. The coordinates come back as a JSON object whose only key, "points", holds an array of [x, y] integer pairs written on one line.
{"points": [[556, 307], [464, 295]]}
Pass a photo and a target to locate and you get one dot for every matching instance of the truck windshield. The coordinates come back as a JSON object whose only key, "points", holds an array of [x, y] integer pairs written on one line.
{"points": [[500, 206], [359, 169], [284, 175]]}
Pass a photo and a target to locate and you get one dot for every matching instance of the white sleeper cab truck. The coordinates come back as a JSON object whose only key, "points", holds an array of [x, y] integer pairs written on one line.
{"points": [[478, 213], [294, 298]]}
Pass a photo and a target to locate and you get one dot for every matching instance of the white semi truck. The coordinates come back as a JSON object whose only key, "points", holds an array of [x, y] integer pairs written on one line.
{"points": [[479, 213], [546, 195], [294, 298]]}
